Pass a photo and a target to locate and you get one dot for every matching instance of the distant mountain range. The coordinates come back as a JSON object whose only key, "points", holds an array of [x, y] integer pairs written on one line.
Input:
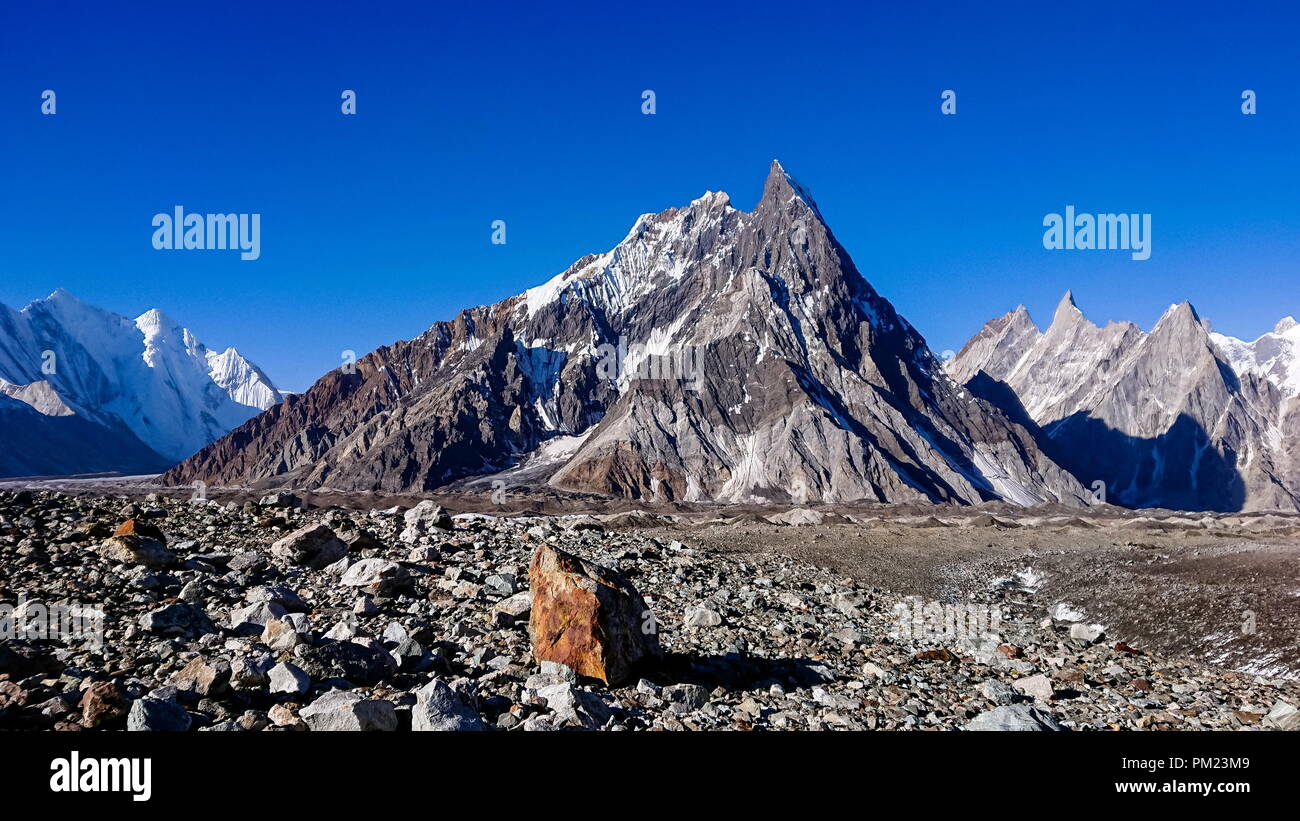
{"points": [[1179, 417], [712, 355], [84, 390]]}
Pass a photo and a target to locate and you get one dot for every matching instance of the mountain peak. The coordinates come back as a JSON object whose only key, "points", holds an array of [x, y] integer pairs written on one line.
{"points": [[1183, 309], [1285, 324], [1180, 317], [154, 320], [1067, 312], [781, 188], [61, 296]]}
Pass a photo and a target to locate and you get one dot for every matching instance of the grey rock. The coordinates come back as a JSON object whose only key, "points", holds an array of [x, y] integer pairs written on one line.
{"points": [[1016, 717], [314, 545], [177, 619], [344, 710], [439, 708], [154, 715], [286, 678], [702, 617]]}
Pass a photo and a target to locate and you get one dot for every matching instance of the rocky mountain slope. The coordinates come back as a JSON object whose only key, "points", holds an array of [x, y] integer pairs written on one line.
{"points": [[713, 354], [84, 390], [1178, 417]]}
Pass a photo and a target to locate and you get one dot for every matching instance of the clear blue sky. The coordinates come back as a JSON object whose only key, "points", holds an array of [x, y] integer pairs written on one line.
{"points": [[375, 226]]}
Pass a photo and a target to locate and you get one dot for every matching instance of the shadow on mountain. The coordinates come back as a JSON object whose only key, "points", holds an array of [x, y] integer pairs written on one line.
{"points": [[38, 445], [1180, 469], [1001, 396]]}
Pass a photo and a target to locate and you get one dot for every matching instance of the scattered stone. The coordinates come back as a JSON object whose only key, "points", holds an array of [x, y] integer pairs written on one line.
{"points": [[177, 620], [203, 676], [102, 703], [702, 617], [156, 715], [1016, 717], [314, 545], [286, 678], [1039, 687], [797, 648], [440, 708], [137, 550], [344, 710]]}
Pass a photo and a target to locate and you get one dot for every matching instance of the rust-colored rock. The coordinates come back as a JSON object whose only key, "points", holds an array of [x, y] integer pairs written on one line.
{"points": [[102, 702], [139, 527], [588, 617]]}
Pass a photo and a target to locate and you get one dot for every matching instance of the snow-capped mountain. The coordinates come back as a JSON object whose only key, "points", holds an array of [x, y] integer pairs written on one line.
{"points": [[712, 355], [1176, 417], [86, 390], [1274, 356]]}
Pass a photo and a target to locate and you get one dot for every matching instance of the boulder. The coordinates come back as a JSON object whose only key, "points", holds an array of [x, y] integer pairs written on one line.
{"points": [[102, 702], [574, 706], [1283, 716], [507, 611], [1015, 717], [289, 679], [141, 528], [428, 515], [440, 708], [379, 576], [702, 617], [280, 500], [588, 617], [179, 620], [343, 710], [360, 664], [315, 546], [156, 715], [1037, 686], [131, 549], [207, 677]]}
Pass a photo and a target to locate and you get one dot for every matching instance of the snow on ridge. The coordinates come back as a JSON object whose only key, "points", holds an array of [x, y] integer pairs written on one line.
{"points": [[630, 269], [1274, 356]]}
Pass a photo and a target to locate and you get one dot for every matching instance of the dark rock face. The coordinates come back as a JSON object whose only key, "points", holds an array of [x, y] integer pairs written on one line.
{"points": [[712, 355], [1160, 418]]}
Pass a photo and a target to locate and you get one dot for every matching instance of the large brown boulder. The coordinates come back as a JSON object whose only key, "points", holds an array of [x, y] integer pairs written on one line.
{"points": [[588, 617]]}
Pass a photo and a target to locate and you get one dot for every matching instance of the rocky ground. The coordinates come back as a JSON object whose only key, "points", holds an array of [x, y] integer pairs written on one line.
{"points": [[260, 615]]}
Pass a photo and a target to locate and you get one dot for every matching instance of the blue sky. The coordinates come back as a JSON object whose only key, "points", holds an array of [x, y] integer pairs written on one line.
{"points": [[377, 225]]}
